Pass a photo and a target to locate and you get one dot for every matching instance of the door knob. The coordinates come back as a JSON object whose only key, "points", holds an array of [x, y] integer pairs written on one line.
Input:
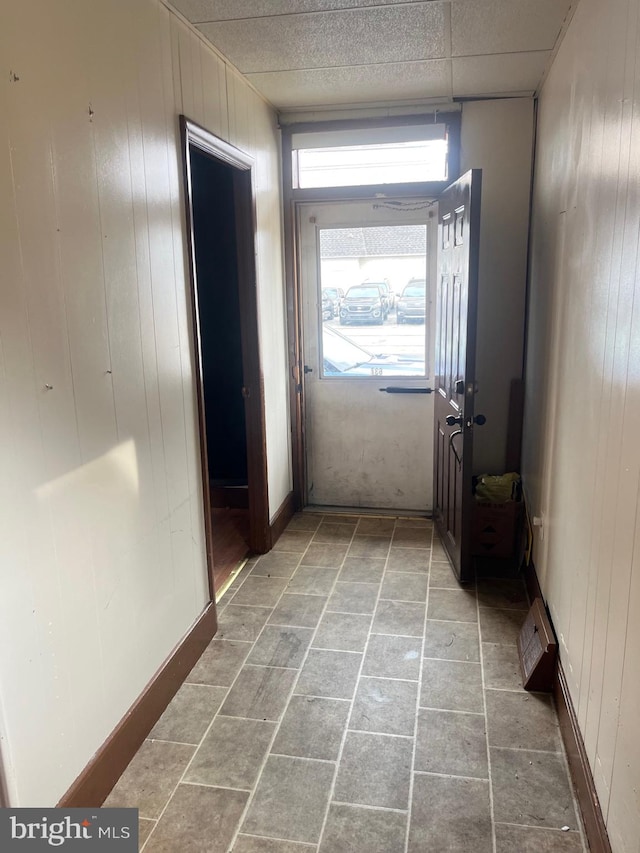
{"points": [[308, 369], [480, 420], [452, 420]]}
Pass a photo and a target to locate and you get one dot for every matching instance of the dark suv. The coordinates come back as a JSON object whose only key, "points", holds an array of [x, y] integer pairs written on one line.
{"points": [[364, 303]]}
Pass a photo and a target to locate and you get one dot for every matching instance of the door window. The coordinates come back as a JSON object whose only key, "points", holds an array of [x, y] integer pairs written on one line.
{"points": [[373, 301]]}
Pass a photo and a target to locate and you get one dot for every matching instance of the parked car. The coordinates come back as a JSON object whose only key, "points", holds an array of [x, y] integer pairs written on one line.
{"points": [[336, 295], [363, 303], [412, 302], [342, 357], [388, 293], [327, 307]]}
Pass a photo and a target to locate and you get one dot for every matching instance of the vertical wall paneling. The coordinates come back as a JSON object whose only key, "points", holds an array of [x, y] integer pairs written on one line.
{"points": [[101, 526], [582, 460]]}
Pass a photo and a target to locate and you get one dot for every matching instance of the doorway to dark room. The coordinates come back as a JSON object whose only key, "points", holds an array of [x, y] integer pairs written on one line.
{"points": [[221, 234]]}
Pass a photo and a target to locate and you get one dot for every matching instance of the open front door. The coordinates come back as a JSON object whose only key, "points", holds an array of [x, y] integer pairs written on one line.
{"points": [[455, 386]]}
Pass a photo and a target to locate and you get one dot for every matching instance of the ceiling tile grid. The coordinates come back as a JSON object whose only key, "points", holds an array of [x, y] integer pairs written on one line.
{"points": [[314, 53], [333, 39]]}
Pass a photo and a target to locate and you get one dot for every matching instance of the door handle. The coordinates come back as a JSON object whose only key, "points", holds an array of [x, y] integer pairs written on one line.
{"points": [[452, 420], [452, 446], [394, 389], [308, 369], [480, 420]]}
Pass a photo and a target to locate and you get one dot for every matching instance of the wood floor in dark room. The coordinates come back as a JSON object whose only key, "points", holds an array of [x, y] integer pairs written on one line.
{"points": [[230, 541]]}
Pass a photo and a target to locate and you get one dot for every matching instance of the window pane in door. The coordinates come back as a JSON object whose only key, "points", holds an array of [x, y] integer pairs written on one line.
{"points": [[373, 301]]}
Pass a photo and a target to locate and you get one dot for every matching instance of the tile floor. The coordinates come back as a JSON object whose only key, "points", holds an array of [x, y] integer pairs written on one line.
{"points": [[356, 700]]}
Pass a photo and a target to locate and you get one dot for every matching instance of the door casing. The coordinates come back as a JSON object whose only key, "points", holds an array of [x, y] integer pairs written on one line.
{"points": [[194, 135]]}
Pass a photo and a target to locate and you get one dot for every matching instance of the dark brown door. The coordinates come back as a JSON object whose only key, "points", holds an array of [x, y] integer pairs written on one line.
{"points": [[458, 244]]}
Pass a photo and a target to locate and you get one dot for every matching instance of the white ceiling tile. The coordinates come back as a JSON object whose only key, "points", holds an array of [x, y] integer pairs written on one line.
{"points": [[361, 84], [506, 73], [505, 26], [325, 39], [198, 11]]}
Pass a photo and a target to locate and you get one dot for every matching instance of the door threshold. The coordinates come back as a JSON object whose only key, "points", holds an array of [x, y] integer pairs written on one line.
{"points": [[230, 579], [362, 510]]}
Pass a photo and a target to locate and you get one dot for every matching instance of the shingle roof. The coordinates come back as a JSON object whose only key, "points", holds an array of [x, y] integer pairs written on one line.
{"points": [[380, 240]]}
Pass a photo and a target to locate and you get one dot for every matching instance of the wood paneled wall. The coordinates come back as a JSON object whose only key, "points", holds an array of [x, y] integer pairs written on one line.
{"points": [[102, 566], [582, 453]]}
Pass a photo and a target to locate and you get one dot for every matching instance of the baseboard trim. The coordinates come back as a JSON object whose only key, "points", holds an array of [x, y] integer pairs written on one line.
{"points": [[581, 775], [282, 517], [585, 789], [98, 778]]}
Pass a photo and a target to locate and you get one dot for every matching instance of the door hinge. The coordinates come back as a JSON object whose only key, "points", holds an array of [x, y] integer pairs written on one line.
{"points": [[298, 388]]}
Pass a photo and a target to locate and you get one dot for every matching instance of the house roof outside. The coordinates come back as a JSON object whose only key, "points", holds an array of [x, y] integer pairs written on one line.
{"points": [[381, 241]]}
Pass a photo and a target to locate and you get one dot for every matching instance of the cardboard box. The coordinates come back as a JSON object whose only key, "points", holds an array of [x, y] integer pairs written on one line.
{"points": [[496, 529]]}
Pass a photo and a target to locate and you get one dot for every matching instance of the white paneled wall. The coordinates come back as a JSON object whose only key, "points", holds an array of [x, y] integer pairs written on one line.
{"points": [[583, 388], [102, 567]]}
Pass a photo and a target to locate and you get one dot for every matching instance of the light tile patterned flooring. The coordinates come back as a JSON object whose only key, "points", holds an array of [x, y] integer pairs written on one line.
{"points": [[356, 699]]}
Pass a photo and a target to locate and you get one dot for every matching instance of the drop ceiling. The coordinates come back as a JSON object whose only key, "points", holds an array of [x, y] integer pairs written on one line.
{"points": [[304, 54]]}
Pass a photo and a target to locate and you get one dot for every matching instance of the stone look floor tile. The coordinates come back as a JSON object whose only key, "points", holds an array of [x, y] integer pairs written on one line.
{"points": [[376, 547], [401, 586], [276, 564], [531, 788], [220, 763], [150, 778], [362, 570], [290, 799], [501, 667], [355, 829], [385, 705], [353, 598], [526, 840], [451, 686], [303, 611], [197, 819], [500, 626], [452, 641], [374, 526], [522, 721], [294, 540], [408, 560], [145, 828], [312, 728], [450, 814], [263, 592], [327, 556], [305, 521], [242, 623], [311, 580], [412, 537], [451, 743], [219, 663], [347, 632], [189, 714], [331, 533], [253, 844], [399, 617], [328, 673], [373, 669], [504, 593], [441, 575], [393, 657], [456, 605], [375, 770], [259, 693], [281, 646]]}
